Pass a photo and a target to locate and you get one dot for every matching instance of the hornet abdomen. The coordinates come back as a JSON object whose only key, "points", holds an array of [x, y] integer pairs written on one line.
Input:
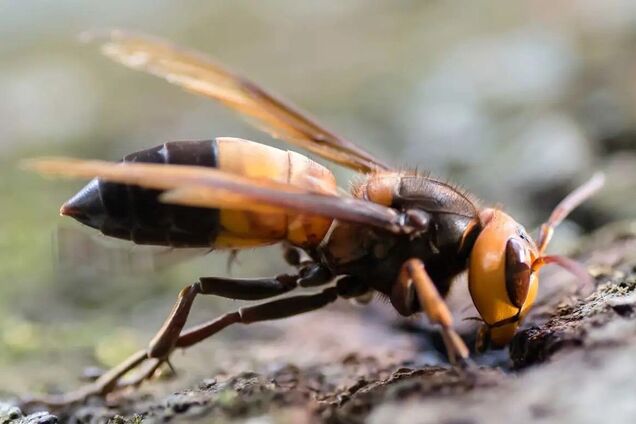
{"points": [[134, 213]]}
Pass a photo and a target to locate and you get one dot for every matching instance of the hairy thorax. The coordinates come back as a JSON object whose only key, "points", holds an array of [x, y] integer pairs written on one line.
{"points": [[375, 256]]}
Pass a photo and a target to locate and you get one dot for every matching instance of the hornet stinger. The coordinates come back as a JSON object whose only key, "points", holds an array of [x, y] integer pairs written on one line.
{"points": [[401, 234]]}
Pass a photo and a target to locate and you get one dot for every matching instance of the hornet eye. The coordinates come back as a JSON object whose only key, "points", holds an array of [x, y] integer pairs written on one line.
{"points": [[518, 272]]}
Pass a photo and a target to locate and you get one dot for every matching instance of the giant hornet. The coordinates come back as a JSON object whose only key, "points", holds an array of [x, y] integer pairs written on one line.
{"points": [[402, 234]]}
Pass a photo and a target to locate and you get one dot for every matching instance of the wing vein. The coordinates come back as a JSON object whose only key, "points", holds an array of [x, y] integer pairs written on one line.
{"points": [[199, 74]]}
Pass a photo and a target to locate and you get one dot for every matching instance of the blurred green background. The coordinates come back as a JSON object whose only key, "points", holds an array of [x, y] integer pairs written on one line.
{"points": [[516, 101]]}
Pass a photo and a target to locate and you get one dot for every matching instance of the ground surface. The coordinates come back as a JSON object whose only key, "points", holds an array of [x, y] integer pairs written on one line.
{"points": [[574, 362]]}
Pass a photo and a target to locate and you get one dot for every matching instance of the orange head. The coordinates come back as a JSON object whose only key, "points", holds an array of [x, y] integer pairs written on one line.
{"points": [[500, 276], [504, 264]]}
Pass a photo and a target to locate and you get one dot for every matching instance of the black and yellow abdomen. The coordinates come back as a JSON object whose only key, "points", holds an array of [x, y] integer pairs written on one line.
{"points": [[134, 213]]}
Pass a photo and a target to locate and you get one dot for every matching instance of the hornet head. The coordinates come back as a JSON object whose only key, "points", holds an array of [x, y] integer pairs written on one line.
{"points": [[503, 273]]}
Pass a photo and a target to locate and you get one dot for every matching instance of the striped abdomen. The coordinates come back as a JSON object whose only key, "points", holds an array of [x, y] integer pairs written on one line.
{"points": [[134, 213]]}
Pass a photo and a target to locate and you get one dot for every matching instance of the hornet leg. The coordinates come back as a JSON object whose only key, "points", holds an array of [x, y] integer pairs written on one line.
{"points": [[414, 284], [244, 289], [276, 309], [165, 341]]}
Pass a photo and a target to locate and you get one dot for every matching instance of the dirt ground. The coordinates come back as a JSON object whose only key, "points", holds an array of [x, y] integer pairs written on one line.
{"points": [[573, 363]]}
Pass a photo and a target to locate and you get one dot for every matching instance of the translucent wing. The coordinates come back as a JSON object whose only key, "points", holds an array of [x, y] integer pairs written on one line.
{"points": [[77, 249], [197, 73], [209, 187]]}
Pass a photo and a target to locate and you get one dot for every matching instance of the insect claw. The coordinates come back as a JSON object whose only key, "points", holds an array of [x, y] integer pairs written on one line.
{"points": [[172, 368], [466, 364], [467, 370]]}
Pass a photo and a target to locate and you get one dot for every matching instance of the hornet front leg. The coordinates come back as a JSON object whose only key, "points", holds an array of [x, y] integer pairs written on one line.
{"points": [[414, 286]]}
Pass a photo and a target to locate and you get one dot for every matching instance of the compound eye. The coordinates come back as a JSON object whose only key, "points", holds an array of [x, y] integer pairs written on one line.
{"points": [[518, 270]]}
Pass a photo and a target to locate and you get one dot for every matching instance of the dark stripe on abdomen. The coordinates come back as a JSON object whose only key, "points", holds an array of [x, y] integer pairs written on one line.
{"points": [[135, 213]]}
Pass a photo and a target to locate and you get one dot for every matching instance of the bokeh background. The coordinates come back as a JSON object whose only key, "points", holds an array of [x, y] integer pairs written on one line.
{"points": [[516, 101]]}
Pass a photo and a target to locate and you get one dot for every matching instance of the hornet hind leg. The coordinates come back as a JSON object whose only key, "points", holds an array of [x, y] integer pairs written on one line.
{"points": [[170, 336]]}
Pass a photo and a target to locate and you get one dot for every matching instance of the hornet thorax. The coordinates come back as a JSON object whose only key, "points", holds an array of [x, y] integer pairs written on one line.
{"points": [[375, 256]]}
